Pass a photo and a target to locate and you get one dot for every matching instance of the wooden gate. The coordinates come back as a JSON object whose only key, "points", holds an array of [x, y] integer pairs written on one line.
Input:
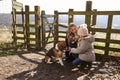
{"points": [[31, 32], [48, 25]]}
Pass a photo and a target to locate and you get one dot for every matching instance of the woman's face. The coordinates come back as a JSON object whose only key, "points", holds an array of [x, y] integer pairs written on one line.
{"points": [[73, 30]]}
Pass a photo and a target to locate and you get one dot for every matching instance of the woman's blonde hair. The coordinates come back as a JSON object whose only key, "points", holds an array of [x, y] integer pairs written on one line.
{"points": [[69, 27], [69, 32]]}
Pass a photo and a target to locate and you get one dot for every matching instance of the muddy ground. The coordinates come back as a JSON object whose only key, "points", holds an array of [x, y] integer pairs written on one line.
{"points": [[31, 67]]}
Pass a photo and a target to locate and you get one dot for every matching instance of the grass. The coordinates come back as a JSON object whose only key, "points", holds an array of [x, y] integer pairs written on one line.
{"points": [[118, 73], [6, 49], [5, 41]]}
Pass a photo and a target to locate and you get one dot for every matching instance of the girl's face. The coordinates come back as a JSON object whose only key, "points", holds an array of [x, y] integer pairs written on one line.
{"points": [[73, 29]]}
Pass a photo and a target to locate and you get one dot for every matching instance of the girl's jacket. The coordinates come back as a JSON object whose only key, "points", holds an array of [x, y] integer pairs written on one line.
{"points": [[85, 50]]}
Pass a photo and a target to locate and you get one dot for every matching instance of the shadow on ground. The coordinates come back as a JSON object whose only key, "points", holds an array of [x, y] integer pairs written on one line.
{"points": [[55, 71], [46, 71]]}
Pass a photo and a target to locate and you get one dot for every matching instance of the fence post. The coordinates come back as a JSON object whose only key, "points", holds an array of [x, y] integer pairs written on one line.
{"points": [[109, 25], [43, 28], [24, 29], [27, 26], [94, 18], [37, 26], [70, 16], [56, 27], [88, 17], [14, 26]]}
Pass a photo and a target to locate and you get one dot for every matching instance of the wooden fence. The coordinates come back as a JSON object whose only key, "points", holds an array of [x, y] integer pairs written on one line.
{"points": [[104, 41], [105, 44], [25, 31]]}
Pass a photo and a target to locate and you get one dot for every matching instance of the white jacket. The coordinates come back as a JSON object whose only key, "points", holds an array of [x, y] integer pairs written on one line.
{"points": [[85, 50]]}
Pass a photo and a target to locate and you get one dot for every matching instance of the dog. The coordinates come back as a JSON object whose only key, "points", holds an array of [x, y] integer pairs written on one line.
{"points": [[56, 52]]}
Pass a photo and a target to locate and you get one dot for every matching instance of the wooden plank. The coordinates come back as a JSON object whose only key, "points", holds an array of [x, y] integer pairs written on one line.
{"points": [[32, 39], [37, 26], [20, 32], [14, 26], [115, 30], [115, 41], [21, 25], [109, 25], [96, 13], [21, 38], [63, 32], [63, 25], [94, 21], [114, 49], [105, 30], [62, 13], [32, 33], [99, 40], [62, 36], [56, 29], [48, 16], [20, 12], [107, 13], [30, 12], [17, 5], [99, 47], [88, 17], [27, 22], [70, 16], [43, 29], [98, 29]]}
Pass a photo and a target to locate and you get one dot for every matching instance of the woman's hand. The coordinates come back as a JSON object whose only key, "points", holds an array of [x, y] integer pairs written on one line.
{"points": [[68, 49]]}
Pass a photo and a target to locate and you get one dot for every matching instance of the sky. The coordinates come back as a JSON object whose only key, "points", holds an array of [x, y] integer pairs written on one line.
{"points": [[62, 5]]}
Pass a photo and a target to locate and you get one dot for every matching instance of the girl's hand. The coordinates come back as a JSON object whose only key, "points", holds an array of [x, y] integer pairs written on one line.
{"points": [[73, 50]]}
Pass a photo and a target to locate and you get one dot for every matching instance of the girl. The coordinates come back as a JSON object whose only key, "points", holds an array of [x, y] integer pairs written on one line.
{"points": [[85, 50]]}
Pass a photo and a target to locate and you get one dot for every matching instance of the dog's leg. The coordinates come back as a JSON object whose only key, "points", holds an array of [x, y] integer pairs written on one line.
{"points": [[49, 61], [61, 62]]}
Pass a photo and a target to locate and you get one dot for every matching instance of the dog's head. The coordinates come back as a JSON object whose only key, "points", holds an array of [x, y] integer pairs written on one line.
{"points": [[61, 45]]}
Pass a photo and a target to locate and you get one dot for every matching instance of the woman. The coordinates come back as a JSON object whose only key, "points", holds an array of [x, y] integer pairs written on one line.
{"points": [[71, 41]]}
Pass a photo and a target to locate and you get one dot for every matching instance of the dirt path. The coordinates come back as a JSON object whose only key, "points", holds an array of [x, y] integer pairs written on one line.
{"points": [[17, 64], [30, 67]]}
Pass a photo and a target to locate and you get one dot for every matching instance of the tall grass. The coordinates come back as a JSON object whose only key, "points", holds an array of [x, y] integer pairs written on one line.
{"points": [[5, 41], [5, 35]]}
